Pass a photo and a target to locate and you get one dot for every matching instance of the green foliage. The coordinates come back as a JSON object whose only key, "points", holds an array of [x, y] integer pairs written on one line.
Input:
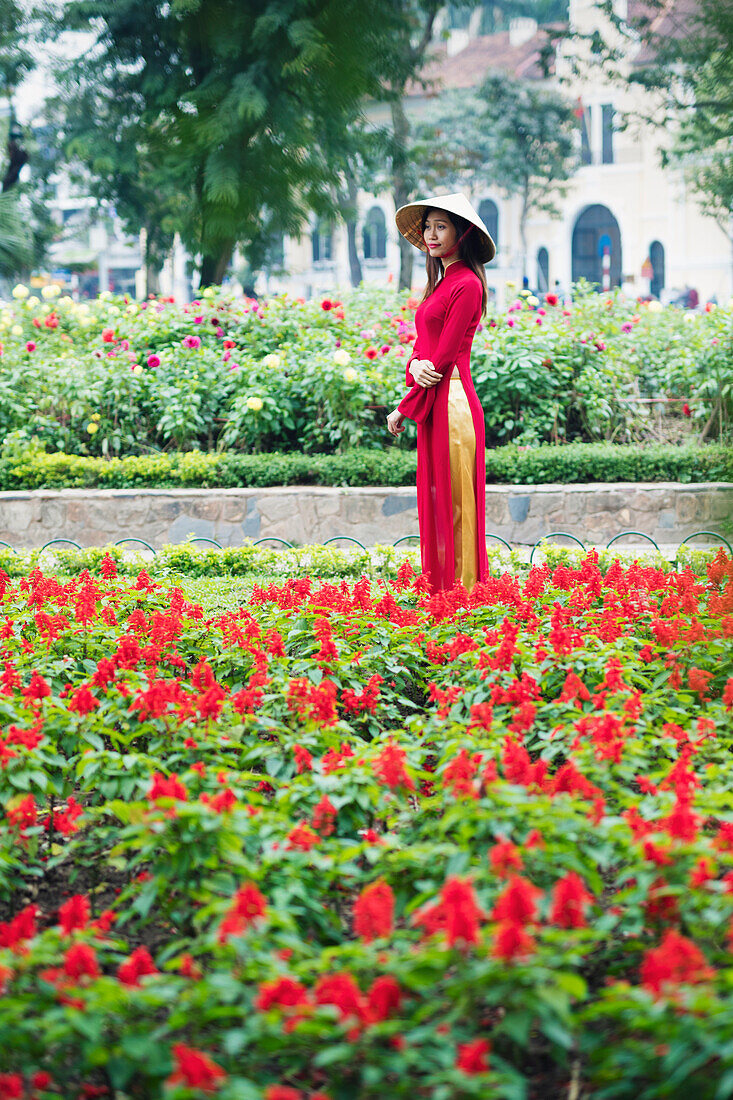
{"points": [[220, 125], [541, 728], [116, 377], [570, 464]]}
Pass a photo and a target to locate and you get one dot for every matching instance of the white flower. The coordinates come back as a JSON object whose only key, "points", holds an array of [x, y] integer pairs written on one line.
{"points": [[655, 306], [271, 360], [533, 301], [32, 302], [105, 295], [350, 375], [20, 291], [17, 330], [51, 291], [341, 357], [209, 292]]}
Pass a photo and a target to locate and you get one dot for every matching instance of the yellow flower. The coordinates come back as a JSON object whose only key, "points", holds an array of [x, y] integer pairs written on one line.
{"points": [[533, 301], [32, 302], [17, 330], [105, 295], [137, 369], [341, 357], [20, 291], [254, 403], [350, 375], [510, 284], [51, 291], [655, 306], [92, 427], [96, 416], [209, 292], [271, 360]]}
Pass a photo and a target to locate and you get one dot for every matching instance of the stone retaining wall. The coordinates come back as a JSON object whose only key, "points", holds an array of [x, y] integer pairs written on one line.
{"points": [[521, 514]]}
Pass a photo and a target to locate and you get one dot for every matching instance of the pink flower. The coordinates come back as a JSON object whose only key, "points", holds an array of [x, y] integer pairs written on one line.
{"points": [[153, 361], [371, 352], [510, 322], [31, 345], [626, 326], [192, 341]]}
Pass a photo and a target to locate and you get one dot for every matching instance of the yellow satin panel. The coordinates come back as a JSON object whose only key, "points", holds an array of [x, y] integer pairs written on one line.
{"points": [[462, 442]]}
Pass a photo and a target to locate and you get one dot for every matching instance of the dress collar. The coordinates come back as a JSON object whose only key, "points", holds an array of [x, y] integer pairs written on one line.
{"points": [[457, 265]]}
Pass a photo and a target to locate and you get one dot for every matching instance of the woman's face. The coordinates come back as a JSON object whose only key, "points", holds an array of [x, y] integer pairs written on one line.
{"points": [[439, 234]]}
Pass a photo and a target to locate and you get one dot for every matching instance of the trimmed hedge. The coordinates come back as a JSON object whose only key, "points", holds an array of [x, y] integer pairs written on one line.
{"points": [[578, 462]]}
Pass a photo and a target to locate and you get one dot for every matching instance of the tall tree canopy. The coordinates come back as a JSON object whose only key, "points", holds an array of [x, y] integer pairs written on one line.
{"points": [[681, 53], [219, 118]]}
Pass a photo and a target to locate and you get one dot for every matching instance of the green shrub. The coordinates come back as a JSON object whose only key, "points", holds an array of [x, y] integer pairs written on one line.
{"points": [[391, 466]]}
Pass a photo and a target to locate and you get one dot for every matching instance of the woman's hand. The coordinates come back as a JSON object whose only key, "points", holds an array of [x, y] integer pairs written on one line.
{"points": [[395, 422], [423, 372]]}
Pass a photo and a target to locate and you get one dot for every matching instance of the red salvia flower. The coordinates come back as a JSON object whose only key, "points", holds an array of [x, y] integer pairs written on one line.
{"points": [[511, 940], [82, 701], [282, 993], [389, 767], [505, 857], [302, 838], [472, 1058], [137, 966], [80, 961], [342, 991], [569, 899], [324, 816], [195, 1070], [74, 914], [303, 759], [517, 902], [374, 911], [677, 960], [383, 998]]}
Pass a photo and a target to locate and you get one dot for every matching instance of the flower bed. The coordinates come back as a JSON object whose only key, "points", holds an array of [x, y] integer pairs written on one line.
{"points": [[115, 376], [350, 840]]}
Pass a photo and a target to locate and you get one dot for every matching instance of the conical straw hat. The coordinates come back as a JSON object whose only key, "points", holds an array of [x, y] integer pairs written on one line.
{"points": [[409, 221]]}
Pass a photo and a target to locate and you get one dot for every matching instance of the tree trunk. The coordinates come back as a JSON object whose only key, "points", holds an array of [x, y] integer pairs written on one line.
{"points": [[401, 184], [523, 230], [214, 265], [354, 261]]}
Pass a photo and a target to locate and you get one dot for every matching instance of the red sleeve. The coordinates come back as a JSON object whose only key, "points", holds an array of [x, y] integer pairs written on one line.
{"points": [[409, 380], [464, 305]]}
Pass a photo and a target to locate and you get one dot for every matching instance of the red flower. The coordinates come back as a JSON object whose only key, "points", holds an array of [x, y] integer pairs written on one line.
{"points": [[511, 940], [74, 914], [505, 857], [248, 906], [698, 680], [281, 993], [456, 914], [11, 1086], [517, 901], [551, 299], [303, 759], [384, 998], [163, 787], [342, 991], [371, 352], [569, 898], [80, 961], [327, 304], [389, 767], [139, 964], [282, 1092], [195, 1070], [108, 335], [374, 911], [472, 1058], [324, 816], [302, 838], [37, 689], [686, 410], [82, 701], [677, 960]]}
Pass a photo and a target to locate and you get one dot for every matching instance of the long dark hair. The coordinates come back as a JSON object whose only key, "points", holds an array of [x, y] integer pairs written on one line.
{"points": [[468, 251]]}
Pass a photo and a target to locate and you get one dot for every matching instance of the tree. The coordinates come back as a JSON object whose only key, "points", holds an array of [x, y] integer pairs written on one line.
{"points": [[513, 132], [681, 54], [233, 108], [16, 246], [406, 65]]}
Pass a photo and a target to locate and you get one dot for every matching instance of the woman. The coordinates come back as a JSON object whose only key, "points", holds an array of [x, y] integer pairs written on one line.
{"points": [[441, 399]]}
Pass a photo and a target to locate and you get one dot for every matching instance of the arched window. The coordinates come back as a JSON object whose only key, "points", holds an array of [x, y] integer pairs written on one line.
{"points": [[322, 241], [374, 234], [543, 270], [596, 247], [656, 255], [488, 211]]}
